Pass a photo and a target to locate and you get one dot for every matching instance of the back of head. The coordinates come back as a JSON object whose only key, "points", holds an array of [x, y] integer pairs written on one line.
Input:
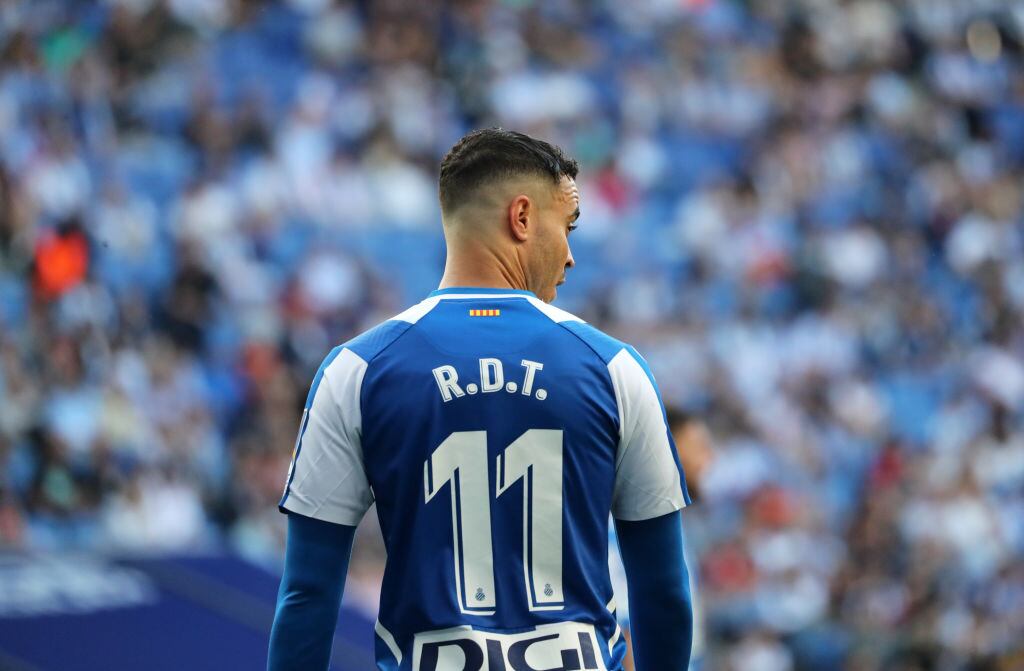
{"points": [[508, 203], [490, 155]]}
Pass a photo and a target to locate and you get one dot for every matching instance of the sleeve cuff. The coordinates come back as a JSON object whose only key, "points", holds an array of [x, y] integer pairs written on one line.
{"points": [[664, 507], [294, 504]]}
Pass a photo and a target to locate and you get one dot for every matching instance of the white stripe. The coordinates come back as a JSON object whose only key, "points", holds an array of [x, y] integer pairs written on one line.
{"points": [[557, 315], [614, 639], [389, 640], [618, 630], [416, 312], [620, 404]]}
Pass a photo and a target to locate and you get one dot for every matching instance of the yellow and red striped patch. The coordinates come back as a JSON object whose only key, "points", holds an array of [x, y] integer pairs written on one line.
{"points": [[485, 313]]}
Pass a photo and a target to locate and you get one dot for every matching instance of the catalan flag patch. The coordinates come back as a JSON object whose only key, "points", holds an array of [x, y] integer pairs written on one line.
{"points": [[485, 313]]}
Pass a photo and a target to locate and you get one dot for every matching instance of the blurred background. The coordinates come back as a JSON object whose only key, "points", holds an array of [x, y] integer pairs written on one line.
{"points": [[806, 214]]}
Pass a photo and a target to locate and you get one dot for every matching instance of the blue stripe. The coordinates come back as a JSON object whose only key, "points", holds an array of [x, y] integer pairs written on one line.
{"points": [[302, 429]]}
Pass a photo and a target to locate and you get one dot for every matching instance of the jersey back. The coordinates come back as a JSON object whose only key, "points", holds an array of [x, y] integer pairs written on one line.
{"points": [[495, 434]]}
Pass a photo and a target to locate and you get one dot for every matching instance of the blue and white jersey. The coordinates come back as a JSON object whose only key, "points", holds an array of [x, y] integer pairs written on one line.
{"points": [[495, 433]]}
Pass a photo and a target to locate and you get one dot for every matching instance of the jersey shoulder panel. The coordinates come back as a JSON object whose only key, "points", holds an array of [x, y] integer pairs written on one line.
{"points": [[369, 344], [602, 344], [609, 348], [557, 315]]}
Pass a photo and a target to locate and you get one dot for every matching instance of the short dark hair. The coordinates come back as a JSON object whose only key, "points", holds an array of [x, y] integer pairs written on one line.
{"points": [[488, 154]]}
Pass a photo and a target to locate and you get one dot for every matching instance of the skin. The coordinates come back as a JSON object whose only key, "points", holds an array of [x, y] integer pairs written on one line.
{"points": [[513, 234], [627, 661]]}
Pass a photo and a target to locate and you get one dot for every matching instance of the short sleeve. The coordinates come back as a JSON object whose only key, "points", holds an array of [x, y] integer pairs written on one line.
{"points": [[648, 478], [327, 479]]}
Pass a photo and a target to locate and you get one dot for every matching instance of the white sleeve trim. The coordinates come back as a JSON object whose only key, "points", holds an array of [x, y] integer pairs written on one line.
{"points": [[330, 480], [646, 476]]}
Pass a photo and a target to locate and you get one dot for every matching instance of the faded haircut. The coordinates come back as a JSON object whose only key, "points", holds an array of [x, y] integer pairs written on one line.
{"points": [[485, 156]]}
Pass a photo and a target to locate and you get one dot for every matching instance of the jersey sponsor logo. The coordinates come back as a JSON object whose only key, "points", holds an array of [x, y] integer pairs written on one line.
{"points": [[485, 313], [491, 379], [564, 646]]}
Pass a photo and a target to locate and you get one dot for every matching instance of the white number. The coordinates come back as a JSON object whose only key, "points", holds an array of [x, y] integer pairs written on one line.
{"points": [[460, 459], [536, 458]]}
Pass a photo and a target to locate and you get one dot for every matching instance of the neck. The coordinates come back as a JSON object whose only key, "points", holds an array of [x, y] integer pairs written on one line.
{"points": [[482, 267]]}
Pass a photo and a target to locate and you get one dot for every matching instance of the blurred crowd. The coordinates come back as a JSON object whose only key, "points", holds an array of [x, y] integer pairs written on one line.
{"points": [[808, 215]]}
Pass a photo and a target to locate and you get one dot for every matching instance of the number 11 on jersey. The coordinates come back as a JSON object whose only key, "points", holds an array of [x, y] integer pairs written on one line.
{"points": [[536, 459]]}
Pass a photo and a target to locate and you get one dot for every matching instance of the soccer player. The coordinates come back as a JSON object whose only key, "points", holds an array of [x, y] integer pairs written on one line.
{"points": [[495, 433]]}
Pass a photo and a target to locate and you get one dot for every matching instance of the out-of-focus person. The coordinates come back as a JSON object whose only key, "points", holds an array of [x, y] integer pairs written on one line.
{"points": [[695, 450]]}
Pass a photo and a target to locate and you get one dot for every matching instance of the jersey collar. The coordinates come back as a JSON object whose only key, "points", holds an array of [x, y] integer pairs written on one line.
{"points": [[455, 291]]}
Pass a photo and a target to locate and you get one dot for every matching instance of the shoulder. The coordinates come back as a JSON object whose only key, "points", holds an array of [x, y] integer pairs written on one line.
{"points": [[622, 359], [369, 344], [346, 364], [603, 345]]}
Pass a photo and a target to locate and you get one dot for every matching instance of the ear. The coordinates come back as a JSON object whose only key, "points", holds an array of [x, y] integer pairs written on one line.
{"points": [[520, 211]]}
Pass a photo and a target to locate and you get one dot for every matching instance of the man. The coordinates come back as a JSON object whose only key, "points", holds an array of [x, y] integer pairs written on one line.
{"points": [[495, 432]]}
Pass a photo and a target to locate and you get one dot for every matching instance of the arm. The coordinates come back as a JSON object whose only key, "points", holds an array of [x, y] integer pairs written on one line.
{"points": [[649, 491], [316, 562], [659, 592], [326, 495]]}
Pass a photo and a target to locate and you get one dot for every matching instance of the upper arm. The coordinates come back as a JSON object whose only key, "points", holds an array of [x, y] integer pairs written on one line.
{"points": [[327, 479], [317, 554], [648, 478]]}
